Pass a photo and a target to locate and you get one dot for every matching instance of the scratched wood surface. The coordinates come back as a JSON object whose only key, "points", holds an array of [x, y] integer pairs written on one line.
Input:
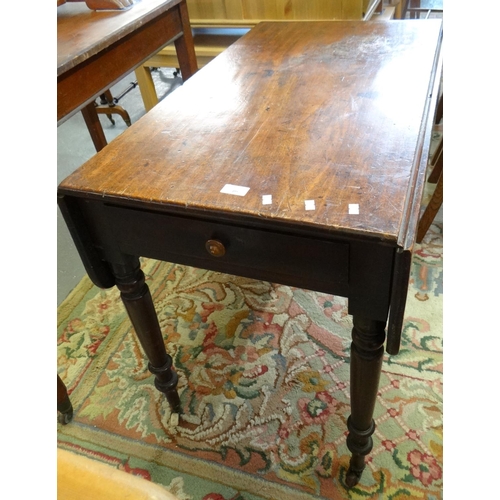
{"points": [[319, 116], [82, 32]]}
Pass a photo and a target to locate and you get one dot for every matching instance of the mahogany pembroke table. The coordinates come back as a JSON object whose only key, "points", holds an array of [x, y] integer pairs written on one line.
{"points": [[298, 156]]}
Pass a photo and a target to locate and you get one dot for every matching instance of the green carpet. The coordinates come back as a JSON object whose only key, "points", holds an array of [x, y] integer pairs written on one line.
{"points": [[264, 386]]}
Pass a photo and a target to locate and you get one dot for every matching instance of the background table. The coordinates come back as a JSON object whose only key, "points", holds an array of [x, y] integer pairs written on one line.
{"points": [[96, 49], [294, 157]]}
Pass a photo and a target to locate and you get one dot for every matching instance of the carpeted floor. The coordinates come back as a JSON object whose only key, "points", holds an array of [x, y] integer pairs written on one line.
{"points": [[264, 385]]}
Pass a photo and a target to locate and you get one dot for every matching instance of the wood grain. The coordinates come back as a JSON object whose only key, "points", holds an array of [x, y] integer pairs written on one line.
{"points": [[299, 111], [277, 9], [82, 33], [96, 49], [304, 121]]}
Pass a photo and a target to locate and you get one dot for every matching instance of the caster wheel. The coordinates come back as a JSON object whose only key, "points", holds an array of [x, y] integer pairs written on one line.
{"points": [[65, 418], [352, 478]]}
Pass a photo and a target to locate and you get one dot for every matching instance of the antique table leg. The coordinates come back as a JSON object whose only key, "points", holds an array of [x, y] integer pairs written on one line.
{"points": [[94, 126], [184, 46], [367, 350], [137, 299], [64, 406]]}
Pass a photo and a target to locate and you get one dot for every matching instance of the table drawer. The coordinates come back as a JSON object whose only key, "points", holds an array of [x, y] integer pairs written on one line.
{"points": [[280, 257]]}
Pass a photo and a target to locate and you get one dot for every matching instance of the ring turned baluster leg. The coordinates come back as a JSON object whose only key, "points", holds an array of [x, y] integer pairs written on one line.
{"points": [[367, 350], [137, 299], [64, 406]]}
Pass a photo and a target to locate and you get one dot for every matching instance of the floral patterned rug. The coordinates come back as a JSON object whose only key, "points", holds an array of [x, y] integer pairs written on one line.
{"points": [[264, 386]]}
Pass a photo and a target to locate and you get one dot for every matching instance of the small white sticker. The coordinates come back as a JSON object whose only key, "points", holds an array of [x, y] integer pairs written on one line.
{"points": [[236, 190], [354, 208], [310, 205], [267, 199]]}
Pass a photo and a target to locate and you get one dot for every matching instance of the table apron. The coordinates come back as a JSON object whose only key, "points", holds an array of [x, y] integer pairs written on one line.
{"points": [[80, 85], [359, 270]]}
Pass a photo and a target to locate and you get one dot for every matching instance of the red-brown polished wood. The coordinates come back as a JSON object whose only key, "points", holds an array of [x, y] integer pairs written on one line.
{"points": [[96, 49], [340, 131], [314, 115]]}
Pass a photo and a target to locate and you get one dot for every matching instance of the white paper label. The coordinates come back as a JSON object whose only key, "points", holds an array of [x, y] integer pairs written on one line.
{"points": [[267, 199], [236, 190], [310, 205], [354, 208]]}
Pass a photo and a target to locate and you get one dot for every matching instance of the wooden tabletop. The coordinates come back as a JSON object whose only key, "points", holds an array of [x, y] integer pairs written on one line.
{"points": [[82, 33], [326, 118]]}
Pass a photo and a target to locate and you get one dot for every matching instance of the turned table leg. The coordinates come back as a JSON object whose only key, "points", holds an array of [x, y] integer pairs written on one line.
{"points": [[64, 406], [137, 299], [367, 350]]}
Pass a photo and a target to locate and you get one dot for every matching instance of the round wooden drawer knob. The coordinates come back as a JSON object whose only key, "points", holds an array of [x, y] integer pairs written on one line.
{"points": [[215, 248]]}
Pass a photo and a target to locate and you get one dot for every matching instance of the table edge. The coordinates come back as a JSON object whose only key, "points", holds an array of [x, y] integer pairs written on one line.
{"points": [[91, 51]]}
